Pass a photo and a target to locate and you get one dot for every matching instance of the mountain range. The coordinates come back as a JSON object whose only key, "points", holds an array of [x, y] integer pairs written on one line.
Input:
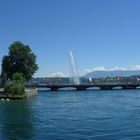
{"points": [[113, 73]]}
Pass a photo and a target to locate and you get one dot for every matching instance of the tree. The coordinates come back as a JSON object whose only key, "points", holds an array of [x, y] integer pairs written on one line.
{"points": [[20, 59]]}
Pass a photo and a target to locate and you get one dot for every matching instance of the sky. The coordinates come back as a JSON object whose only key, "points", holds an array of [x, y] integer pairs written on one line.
{"points": [[102, 34]]}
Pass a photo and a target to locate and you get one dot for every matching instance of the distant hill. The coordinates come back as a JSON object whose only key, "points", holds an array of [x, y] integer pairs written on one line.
{"points": [[114, 73]]}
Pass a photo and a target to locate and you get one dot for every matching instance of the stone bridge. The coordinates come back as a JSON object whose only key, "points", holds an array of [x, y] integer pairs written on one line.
{"points": [[102, 86]]}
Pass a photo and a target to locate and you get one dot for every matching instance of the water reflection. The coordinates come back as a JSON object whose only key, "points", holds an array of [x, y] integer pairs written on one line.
{"points": [[17, 121]]}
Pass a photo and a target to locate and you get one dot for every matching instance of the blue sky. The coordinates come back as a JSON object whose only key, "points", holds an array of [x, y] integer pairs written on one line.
{"points": [[100, 33]]}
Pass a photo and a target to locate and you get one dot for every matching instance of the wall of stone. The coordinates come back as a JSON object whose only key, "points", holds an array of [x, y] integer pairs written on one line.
{"points": [[31, 92]]}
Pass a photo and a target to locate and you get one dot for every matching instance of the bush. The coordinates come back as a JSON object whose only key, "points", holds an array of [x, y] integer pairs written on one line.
{"points": [[15, 88]]}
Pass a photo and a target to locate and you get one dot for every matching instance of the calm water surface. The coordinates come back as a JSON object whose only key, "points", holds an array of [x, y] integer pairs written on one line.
{"points": [[73, 115]]}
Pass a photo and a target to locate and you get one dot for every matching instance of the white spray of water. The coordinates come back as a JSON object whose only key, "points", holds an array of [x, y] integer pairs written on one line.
{"points": [[74, 78]]}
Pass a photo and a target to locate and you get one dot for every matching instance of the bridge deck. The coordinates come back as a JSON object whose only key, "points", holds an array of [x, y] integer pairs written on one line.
{"points": [[85, 86]]}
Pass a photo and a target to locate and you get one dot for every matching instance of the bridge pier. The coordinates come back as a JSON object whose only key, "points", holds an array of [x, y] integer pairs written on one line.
{"points": [[81, 88], [54, 88], [129, 87], [106, 87]]}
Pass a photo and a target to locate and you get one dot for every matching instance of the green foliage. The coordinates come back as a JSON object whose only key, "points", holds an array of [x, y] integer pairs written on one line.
{"points": [[20, 59], [18, 77], [14, 88], [17, 85]]}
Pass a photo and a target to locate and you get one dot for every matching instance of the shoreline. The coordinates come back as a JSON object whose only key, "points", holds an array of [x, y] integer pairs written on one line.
{"points": [[29, 93]]}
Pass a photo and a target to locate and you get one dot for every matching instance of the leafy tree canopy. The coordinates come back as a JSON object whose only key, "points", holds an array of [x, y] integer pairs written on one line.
{"points": [[20, 59]]}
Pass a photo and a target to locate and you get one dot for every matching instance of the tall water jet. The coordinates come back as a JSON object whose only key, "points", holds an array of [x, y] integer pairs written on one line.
{"points": [[74, 78]]}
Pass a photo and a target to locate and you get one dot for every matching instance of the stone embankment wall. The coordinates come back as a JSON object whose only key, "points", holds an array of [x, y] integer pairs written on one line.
{"points": [[31, 92]]}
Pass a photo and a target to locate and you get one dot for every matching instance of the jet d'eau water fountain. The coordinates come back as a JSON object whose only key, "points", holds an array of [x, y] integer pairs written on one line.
{"points": [[74, 78]]}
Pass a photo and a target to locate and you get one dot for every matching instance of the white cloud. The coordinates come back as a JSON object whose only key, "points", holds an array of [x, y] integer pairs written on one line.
{"points": [[137, 67], [56, 74], [117, 68], [98, 68]]}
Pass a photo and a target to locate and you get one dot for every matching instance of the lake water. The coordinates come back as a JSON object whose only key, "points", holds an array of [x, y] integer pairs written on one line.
{"points": [[73, 115]]}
